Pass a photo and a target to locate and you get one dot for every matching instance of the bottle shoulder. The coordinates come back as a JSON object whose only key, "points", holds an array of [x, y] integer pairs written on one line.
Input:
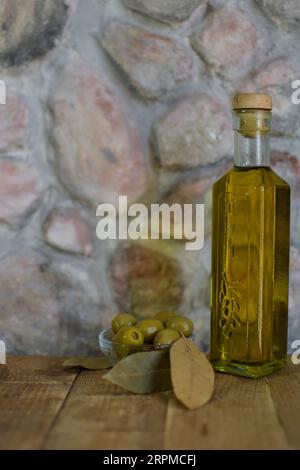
{"points": [[259, 177], [279, 180], [223, 180]]}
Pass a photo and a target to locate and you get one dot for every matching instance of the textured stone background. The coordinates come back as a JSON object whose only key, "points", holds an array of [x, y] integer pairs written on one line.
{"points": [[109, 97]]}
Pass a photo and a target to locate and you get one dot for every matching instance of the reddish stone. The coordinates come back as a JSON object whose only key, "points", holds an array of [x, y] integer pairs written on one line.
{"points": [[14, 117], [197, 189], [44, 311], [145, 280], [69, 231], [197, 131], [228, 41], [19, 189], [100, 154], [275, 78], [29, 306], [273, 73], [288, 167], [154, 64], [193, 188]]}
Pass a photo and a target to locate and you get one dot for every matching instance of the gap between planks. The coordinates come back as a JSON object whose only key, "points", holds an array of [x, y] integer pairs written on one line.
{"points": [[44, 441]]}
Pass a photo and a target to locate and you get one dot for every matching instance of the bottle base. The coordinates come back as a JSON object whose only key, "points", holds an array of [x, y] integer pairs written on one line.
{"points": [[253, 371]]}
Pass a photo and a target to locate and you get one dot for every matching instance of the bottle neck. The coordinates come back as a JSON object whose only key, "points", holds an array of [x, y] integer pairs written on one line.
{"points": [[251, 138], [251, 151]]}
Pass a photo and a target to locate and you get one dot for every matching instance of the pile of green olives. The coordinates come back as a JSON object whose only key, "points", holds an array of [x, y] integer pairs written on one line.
{"points": [[161, 330]]}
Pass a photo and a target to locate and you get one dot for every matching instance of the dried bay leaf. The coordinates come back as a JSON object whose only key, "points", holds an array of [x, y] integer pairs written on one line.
{"points": [[92, 363], [192, 374], [143, 372]]}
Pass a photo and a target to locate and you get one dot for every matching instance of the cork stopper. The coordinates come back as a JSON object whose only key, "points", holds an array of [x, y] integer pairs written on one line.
{"points": [[252, 101]]}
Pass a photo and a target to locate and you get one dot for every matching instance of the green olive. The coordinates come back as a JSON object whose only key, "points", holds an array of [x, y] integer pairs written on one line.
{"points": [[164, 316], [166, 337], [122, 350], [150, 327], [122, 319], [182, 324], [127, 338]]}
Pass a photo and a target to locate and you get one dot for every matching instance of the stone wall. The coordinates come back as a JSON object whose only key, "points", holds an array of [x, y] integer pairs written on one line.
{"points": [[109, 97]]}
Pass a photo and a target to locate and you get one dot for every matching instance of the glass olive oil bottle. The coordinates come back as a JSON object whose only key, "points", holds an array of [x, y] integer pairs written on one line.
{"points": [[250, 251]]}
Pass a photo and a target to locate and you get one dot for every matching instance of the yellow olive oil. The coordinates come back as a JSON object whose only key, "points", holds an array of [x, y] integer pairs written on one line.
{"points": [[250, 256]]}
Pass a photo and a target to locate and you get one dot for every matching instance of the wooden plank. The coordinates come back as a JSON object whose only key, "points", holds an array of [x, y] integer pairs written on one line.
{"points": [[32, 390], [37, 362], [46, 406], [285, 391], [99, 415], [241, 415], [36, 369]]}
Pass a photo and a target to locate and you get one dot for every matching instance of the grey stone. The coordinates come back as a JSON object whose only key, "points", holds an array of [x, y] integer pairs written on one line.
{"points": [[294, 298], [29, 28], [197, 131], [282, 10], [166, 11]]}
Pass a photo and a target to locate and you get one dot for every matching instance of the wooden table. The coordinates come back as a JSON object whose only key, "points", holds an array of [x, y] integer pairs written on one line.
{"points": [[44, 406]]}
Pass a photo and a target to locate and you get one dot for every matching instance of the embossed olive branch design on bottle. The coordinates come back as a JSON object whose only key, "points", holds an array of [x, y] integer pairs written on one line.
{"points": [[230, 307]]}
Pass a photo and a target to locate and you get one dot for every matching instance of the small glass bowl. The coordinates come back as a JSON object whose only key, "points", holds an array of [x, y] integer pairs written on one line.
{"points": [[109, 347]]}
